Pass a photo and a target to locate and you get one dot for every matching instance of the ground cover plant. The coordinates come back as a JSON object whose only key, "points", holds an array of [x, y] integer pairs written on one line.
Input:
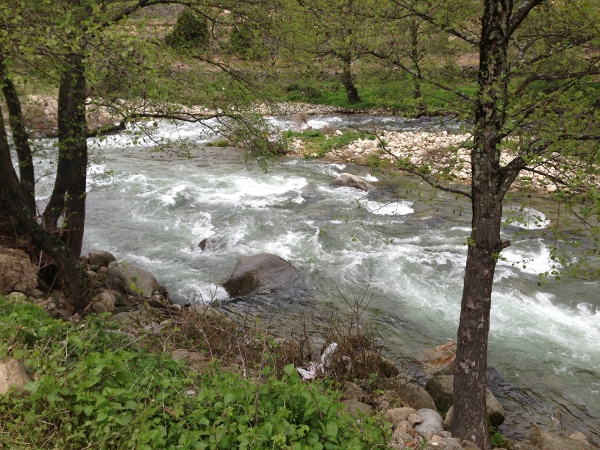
{"points": [[97, 388]]}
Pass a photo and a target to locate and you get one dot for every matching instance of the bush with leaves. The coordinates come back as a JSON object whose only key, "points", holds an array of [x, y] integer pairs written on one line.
{"points": [[190, 31]]}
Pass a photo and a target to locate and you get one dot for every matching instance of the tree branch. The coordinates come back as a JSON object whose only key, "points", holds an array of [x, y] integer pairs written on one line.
{"points": [[432, 20], [419, 75], [519, 16], [555, 77]]}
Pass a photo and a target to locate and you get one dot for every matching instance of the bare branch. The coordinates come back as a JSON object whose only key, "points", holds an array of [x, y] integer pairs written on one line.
{"points": [[555, 77], [432, 20], [420, 76], [519, 16]]}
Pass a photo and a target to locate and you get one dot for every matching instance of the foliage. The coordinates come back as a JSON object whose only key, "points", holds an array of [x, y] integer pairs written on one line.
{"points": [[246, 41], [253, 133], [94, 388], [190, 31], [498, 440]]}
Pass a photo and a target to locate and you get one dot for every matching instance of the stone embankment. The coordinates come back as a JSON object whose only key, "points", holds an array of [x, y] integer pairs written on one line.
{"points": [[440, 155]]}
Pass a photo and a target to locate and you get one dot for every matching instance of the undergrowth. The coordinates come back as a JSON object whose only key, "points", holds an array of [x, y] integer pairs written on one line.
{"points": [[96, 388]]}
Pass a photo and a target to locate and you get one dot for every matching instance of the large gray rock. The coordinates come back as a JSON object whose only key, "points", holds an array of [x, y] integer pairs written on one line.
{"points": [[100, 258], [17, 273], [13, 374], [410, 393], [131, 280], [105, 301], [261, 273], [440, 388], [353, 181], [431, 425]]}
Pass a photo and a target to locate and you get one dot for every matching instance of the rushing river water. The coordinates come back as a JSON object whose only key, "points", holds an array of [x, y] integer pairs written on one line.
{"points": [[410, 250]]}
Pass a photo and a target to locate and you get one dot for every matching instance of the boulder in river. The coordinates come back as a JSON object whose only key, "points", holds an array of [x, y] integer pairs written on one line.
{"points": [[261, 273], [353, 181], [203, 243]]}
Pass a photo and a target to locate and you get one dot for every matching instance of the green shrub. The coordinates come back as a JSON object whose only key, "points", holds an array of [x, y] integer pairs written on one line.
{"points": [[190, 31]]}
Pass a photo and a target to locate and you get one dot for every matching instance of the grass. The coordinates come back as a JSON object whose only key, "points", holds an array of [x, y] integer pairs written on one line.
{"points": [[317, 143], [395, 94], [97, 388]]}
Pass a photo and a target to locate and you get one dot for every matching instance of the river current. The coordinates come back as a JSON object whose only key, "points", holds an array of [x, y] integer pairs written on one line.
{"points": [[409, 250]]}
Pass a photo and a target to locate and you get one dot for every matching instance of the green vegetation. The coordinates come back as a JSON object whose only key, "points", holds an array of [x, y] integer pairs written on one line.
{"points": [[190, 31], [318, 143], [95, 388], [393, 93]]}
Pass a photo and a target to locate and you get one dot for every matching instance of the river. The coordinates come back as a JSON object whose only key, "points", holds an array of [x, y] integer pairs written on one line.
{"points": [[409, 250]]}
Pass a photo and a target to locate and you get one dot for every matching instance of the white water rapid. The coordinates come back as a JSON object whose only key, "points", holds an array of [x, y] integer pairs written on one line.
{"points": [[544, 340]]}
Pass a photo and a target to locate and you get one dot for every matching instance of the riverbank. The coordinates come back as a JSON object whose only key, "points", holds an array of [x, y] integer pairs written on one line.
{"points": [[199, 335], [440, 155]]}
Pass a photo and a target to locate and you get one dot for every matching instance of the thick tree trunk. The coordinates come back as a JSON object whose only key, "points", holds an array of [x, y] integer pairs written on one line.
{"points": [[470, 419], [68, 196], [14, 201], [20, 137], [348, 82]]}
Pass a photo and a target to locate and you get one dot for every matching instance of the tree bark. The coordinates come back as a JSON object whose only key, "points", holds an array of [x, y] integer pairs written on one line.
{"points": [[348, 82], [68, 196], [470, 381], [20, 136], [14, 201]]}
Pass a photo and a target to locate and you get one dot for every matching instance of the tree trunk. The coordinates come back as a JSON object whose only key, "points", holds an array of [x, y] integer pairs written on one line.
{"points": [[14, 201], [68, 196], [415, 56], [348, 82], [470, 419], [20, 137]]}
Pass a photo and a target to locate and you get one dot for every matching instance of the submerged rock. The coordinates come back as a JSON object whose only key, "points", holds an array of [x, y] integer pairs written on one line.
{"points": [[261, 273], [353, 181], [548, 440]]}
